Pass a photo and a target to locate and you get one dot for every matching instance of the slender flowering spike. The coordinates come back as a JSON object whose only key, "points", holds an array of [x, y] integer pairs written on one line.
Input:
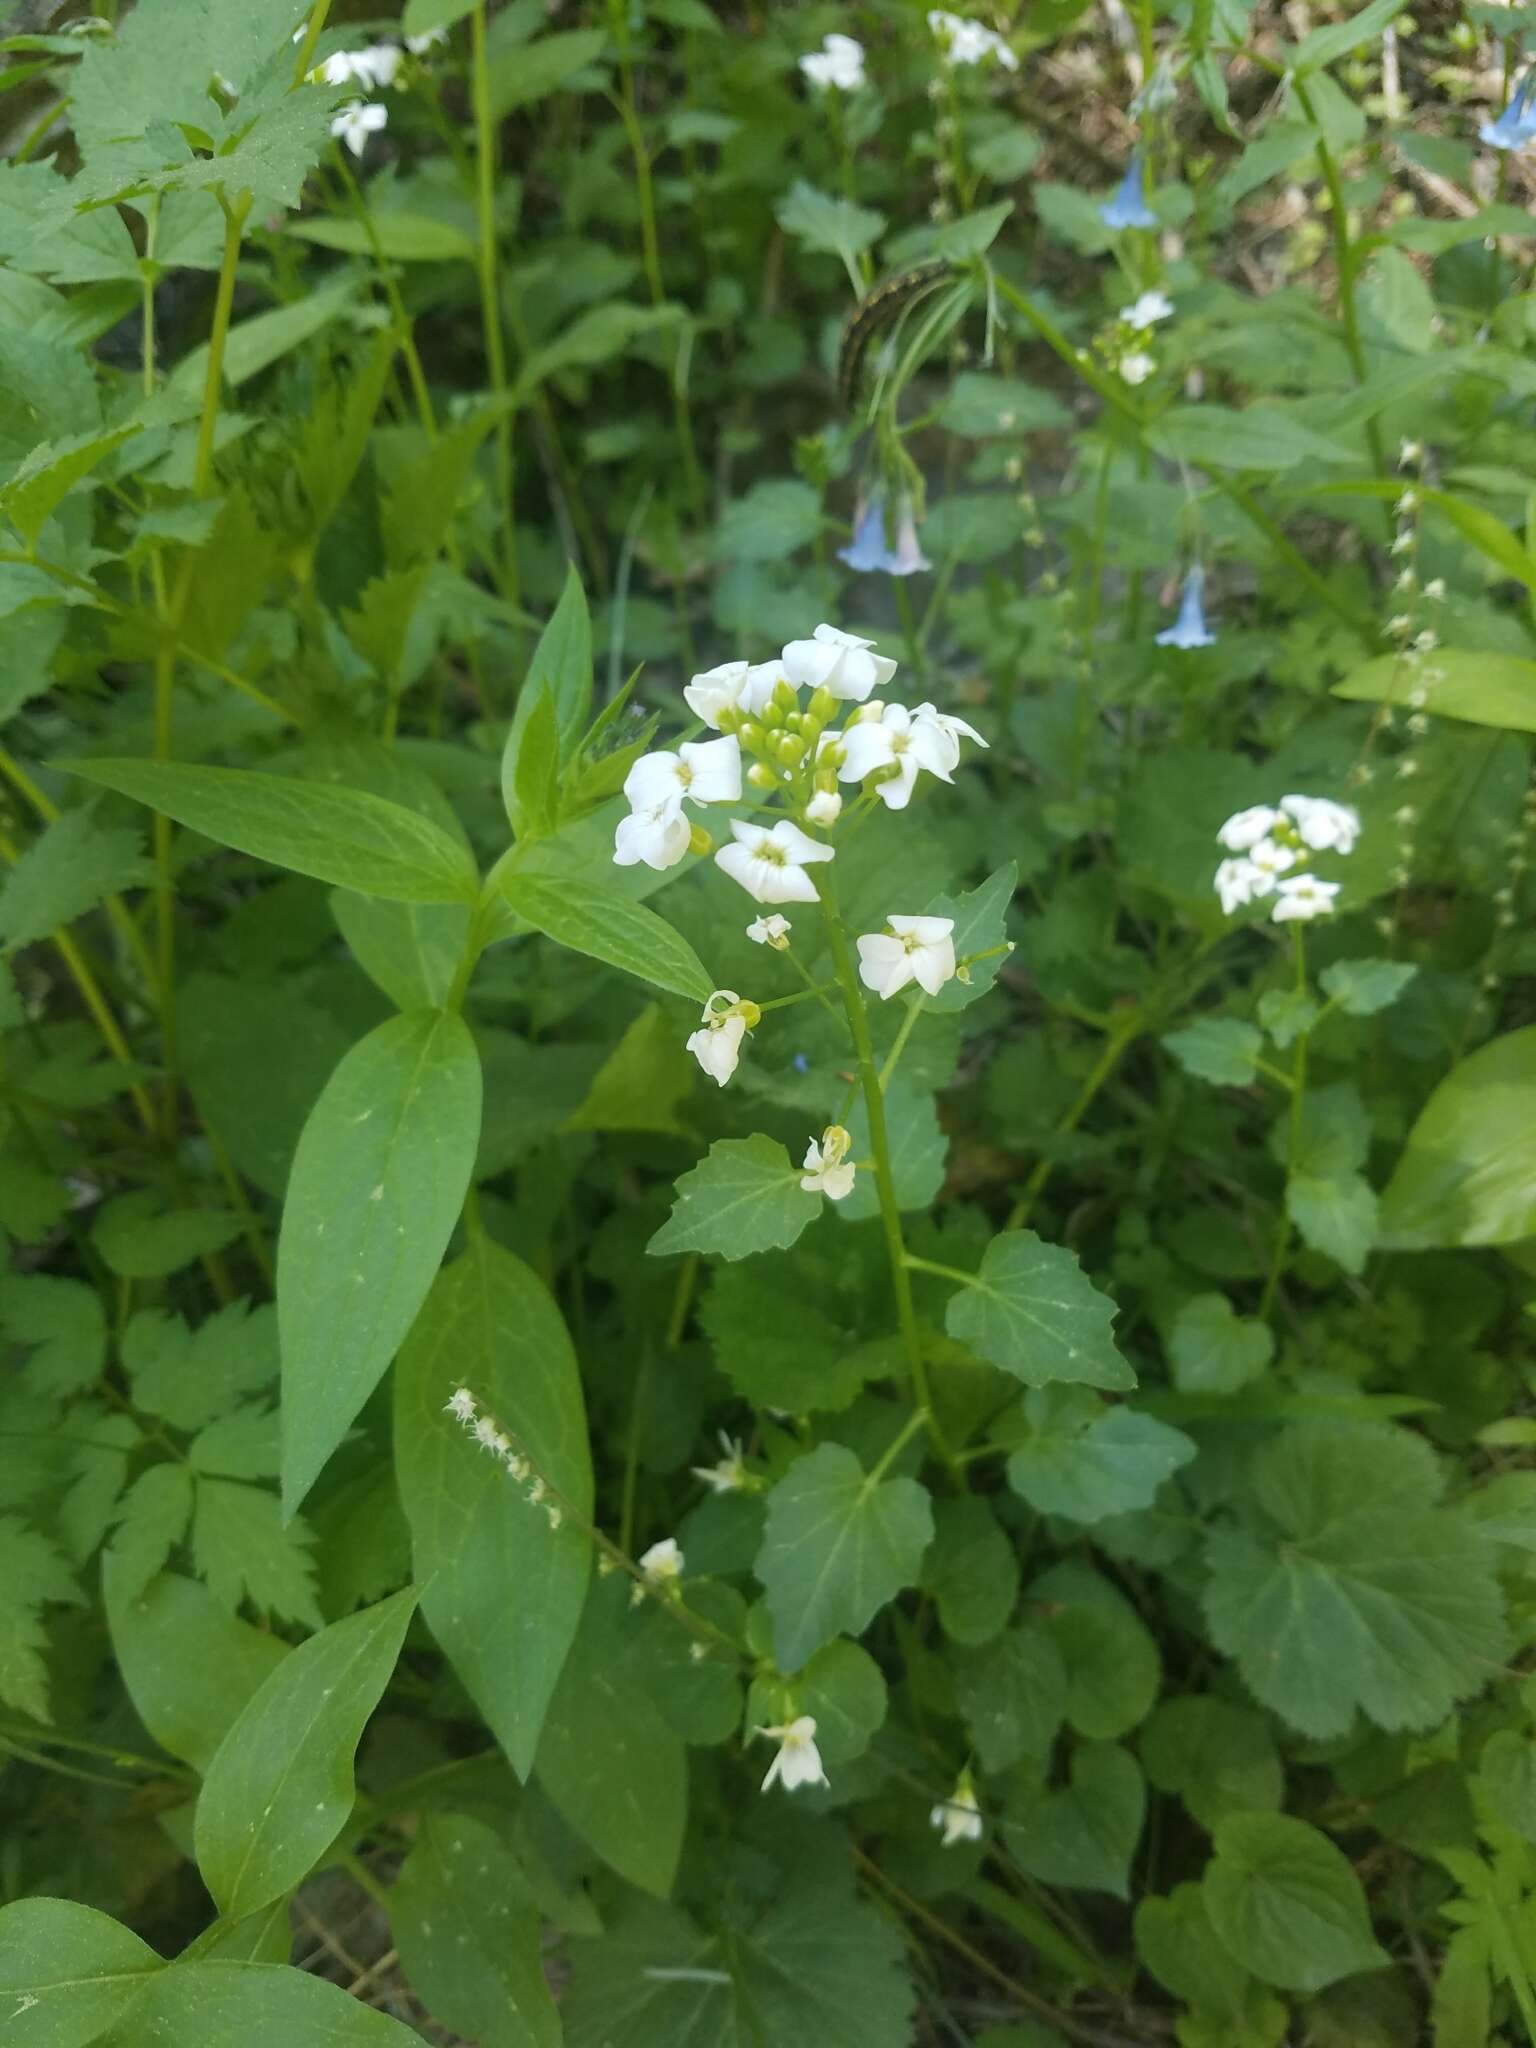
{"points": [[1129, 208], [730, 1475], [839, 663], [739, 686], [969, 42], [770, 931], [920, 949], [486, 1434], [869, 550], [1300, 898], [799, 1760], [897, 740], [838, 64], [1189, 628], [1148, 310], [1236, 884], [1516, 126], [663, 1562], [770, 865], [1323, 825], [1246, 828], [354, 124], [958, 1817], [461, 1405], [828, 1169], [716, 1045]]}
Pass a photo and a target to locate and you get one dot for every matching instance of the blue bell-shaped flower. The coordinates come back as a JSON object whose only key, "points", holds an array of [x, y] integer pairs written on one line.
{"points": [[870, 551], [1189, 628], [1129, 208], [1516, 126]]}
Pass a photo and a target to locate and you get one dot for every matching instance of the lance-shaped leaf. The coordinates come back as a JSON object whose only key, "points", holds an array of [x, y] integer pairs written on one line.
{"points": [[838, 1545], [1033, 1312], [280, 1784], [377, 1184], [502, 1590], [744, 1196], [345, 836], [592, 918], [223, 1999], [66, 1972]]}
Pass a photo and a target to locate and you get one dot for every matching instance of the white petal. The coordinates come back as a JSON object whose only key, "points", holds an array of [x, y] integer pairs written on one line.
{"points": [[885, 965], [865, 748], [715, 770], [798, 845], [654, 779]]}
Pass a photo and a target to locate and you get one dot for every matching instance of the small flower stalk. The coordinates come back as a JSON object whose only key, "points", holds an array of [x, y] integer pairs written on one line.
{"points": [[1270, 848]]}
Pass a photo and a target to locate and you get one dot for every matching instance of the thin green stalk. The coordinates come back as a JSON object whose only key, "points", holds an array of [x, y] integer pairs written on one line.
{"points": [[490, 300], [885, 1181], [1293, 1135], [312, 36], [1124, 1030]]}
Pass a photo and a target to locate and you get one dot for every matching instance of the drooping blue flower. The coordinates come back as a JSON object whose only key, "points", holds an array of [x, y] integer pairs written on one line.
{"points": [[1189, 628], [1516, 126], [869, 550], [1129, 208]]}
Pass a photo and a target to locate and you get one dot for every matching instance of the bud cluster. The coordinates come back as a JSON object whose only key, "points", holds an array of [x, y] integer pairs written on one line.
{"points": [[501, 1445]]}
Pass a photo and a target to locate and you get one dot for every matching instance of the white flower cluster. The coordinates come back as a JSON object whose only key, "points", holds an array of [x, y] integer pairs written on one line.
{"points": [[969, 42], [838, 64], [1266, 844], [372, 70], [490, 1436]]}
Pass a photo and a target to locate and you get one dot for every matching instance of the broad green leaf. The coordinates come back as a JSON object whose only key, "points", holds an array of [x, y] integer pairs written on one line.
{"points": [[47, 476], [1467, 1175], [642, 1083], [1219, 1758], [1214, 1350], [280, 1784], [827, 226], [71, 868], [163, 1630], [66, 1972], [1484, 688], [1286, 1904], [141, 1242], [607, 1760], [1083, 1835], [744, 1196], [843, 1691], [775, 519], [972, 1570], [1013, 1694], [401, 237], [1285, 1013], [262, 1937], [919, 1150], [562, 665], [837, 1547], [338, 835], [1112, 1665], [1085, 1460], [1335, 1214], [208, 2003], [1343, 1587], [489, 1324], [979, 404], [1032, 1312], [595, 337], [1176, 1941], [411, 950], [596, 919], [533, 70], [65, 1320], [980, 919], [1506, 1779], [243, 1549], [33, 1574], [1362, 987], [1327, 45], [467, 1928], [1217, 1049], [1261, 438], [779, 1328], [378, 1181]]}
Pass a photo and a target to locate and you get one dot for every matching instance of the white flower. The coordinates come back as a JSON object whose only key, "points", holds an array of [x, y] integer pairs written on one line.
{"points": [[434, 39], [958, 1816], [828, 1169], [968, 42], [367, 68], [838, 663], [824, 808], [1325, 826], [733, 686], [730, 1475], [770, 931], [1246, 828], [838, 63], [771, 865], [953, 729], [1303, 897], [461, 1405], [663, 1562], [920, 949], [898, 739], [1137, 368], [658, 835], [716, 1045], [656, 830], [1269, 861], [1236, 884], [1148, 310], [354, 124], [799, 1760]]}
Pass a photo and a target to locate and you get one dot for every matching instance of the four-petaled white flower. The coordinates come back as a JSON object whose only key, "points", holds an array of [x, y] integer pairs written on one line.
{"points": [[743, 686], [662, 1564], [656, 830], [953, 729], [354, 124], [716, 1045], [1270, 860], [839, 663], [1300, 898], [367, 68], [920, 949], [1148, 310], [828, 1169], [770, 931], [958, 1816], [968, 42], [1325, 826], [1236, 884], [901, 740], [730, 1475], [1246, 828], [839, 63], [824, 808], [799, 1760], [770, 865], [461, 1405]]}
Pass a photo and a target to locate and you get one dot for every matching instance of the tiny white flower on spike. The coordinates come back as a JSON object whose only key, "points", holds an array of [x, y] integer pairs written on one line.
{"points": [[733, 686], [1246, 828], [824, 808], [770, 865], [1137, 368], [354, 124], [663, 1562], [1236, 883], [799, 1760], [828, 1169], [920, 949], [486, 1433], [958, 1816], [1325, 826], [770, 931], [1148, 310], [461, 1405], [901, 740], [839, 663], [1300, 898], [730, 1475]]}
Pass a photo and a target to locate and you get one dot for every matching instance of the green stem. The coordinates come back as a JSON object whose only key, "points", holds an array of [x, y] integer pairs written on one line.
{"points": [[312, 36], [916, 1265], [490, 300], [1123, 1032], [895, 1447], [899, 1046], [885, 1181], [1293, 1138]]}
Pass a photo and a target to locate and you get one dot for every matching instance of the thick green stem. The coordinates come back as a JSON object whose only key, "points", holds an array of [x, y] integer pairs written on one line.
{"points": [[490, 300], [885, 1180]]}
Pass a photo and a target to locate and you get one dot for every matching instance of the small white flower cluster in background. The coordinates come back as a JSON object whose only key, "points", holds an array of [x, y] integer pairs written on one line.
{"points": [[490, 1436], [661, 1571], [372, 70], [969, 42], [837, 66], [798, 1761], [1128, 347], [958, 1818], [1266, 844]]}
